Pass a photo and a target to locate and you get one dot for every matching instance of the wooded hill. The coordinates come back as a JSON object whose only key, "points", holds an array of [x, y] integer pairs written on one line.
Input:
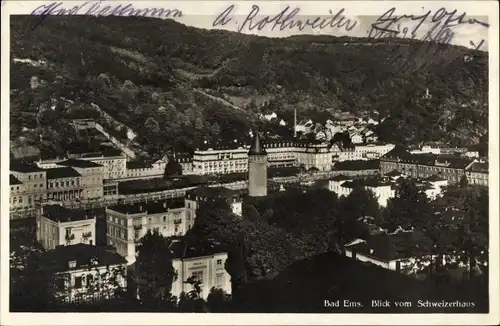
{"points": [[176, 85]]}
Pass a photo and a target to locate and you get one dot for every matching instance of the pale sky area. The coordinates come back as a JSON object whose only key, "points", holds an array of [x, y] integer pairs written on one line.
{"points": [[463, 34], [202, 14]]}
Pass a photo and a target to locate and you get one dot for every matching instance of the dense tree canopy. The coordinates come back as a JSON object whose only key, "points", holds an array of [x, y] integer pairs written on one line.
{"points": [[185, 85]]}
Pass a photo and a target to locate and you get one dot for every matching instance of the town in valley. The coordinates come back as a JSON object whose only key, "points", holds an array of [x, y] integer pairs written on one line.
{"points": [[151, 178]]}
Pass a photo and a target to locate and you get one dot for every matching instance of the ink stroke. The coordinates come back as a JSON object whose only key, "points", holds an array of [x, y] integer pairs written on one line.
{"points": [[285, 19], [102, 8]]}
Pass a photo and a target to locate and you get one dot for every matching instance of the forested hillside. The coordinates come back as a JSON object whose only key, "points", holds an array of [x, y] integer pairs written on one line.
{"points": [[176, 86]]}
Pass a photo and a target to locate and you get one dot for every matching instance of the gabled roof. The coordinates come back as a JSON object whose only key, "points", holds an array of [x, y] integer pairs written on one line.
{"points": [[389, 247]]}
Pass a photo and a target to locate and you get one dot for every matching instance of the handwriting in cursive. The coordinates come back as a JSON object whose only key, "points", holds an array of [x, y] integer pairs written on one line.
{"points": [[440, 31], [102, 8], [285, 19]]}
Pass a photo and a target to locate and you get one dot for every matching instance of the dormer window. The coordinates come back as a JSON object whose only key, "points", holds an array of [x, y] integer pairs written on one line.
{"points": [[72, 264]]}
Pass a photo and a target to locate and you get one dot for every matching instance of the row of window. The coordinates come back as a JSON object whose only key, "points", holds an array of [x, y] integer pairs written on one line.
{"points": [[64, 184]]}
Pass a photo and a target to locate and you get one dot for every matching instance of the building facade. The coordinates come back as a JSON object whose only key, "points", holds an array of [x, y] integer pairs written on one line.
{"points": [[92, 175], [28, 188], [206, 265], [420, 166], [64, 184], [477, 174], [84, 272], [127, 224], [59, 226], [220, 161]]}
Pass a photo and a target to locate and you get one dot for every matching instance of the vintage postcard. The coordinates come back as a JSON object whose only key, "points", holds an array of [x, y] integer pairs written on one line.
{"points": [[249, 162]]}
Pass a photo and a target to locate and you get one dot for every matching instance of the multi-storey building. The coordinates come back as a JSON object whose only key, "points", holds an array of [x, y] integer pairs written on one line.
{"points": [[451, 168], [186, 162], [281, 153], [477, 174], [64, 184], [29, 186], [114, 163], [84, 272], [127, 224], [360, 152], [222, 160], [204, 263], [57, 225], [314, 154], [343, 185], [141, 169], [203, 194], [91, 177]]}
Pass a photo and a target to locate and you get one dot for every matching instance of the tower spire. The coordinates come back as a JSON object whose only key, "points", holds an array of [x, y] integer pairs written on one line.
{"points": [[256, 148]]}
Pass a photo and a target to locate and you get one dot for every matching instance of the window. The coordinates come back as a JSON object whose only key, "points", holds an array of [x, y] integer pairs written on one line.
{"points": [[78, 282], [197, 276], [219, 261], [90, 279]]}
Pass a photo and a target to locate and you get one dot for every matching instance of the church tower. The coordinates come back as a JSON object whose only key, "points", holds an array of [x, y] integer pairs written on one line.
{"points": [[257, 169]]}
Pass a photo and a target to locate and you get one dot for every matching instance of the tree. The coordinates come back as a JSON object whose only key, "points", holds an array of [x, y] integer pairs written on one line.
{"points": [[218, 300], [172, 168], [153, 268], [409, 208], [192, 300]]}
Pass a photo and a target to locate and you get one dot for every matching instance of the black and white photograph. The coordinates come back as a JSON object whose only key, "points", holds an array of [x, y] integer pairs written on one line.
{"points": [[251, 161]]}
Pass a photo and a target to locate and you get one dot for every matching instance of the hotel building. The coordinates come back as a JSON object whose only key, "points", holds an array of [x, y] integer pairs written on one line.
{"points": [[57, 225], [128, 223]]}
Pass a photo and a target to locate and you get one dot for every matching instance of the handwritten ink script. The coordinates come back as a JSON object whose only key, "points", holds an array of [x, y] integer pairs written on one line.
{"points": [[102, 8], [435, 28], [285, 19]]}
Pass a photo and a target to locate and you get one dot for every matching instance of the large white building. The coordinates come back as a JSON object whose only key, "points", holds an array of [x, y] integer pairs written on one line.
{"points": [[59, 226], [344, 185], [204, 263], [361, 152], [220, 161], [114, 164], [128, 223]]}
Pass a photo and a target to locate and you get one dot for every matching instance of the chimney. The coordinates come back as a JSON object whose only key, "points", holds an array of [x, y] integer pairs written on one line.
{"points": [[295, 122]]}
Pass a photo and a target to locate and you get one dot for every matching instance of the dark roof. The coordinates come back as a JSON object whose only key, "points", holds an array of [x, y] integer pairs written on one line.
{"points": [[24, 168], [58, 259], [190, 249], [256, 148], [149, 207], [211, 192], [456, 162], [65, 172], [79, 163], [14, 181], [393, 173], [434, 178], [341, 177], [479, 167], [368, 182], [390, 247], [59, 213], [138, 165], [357, 165]]}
